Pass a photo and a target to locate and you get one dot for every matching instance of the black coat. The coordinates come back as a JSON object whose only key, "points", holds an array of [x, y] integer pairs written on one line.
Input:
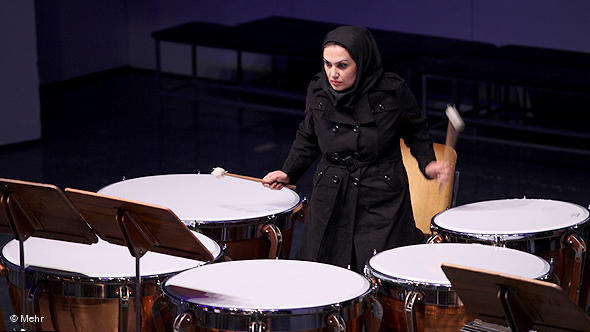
{"points": [[360, 201]]}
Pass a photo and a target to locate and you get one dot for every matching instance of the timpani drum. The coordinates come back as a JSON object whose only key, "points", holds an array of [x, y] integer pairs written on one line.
{"points": [[79, 287], [555, 230], [271, 295], [416, 294], [251, 220]]}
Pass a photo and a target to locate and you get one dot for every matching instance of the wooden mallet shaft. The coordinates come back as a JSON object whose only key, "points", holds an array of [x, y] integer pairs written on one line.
{"points": [[219, 172], [245, 177]]}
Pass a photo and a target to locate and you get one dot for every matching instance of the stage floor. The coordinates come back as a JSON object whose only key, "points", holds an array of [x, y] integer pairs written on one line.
{"points": [[101, 129]]}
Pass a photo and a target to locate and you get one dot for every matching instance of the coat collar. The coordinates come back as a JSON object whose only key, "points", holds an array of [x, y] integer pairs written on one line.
{"points": [[362, 113], [389, 82]]}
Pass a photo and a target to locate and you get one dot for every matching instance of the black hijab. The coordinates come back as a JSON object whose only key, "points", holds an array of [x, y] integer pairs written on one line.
{"points": [[361, 45]]}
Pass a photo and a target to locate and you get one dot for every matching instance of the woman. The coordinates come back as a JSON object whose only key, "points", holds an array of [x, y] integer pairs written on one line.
{"points": [[355, 116]]}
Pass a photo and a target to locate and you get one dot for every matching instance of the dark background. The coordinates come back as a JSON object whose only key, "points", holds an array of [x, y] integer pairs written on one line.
{"points": [[78, 93]]}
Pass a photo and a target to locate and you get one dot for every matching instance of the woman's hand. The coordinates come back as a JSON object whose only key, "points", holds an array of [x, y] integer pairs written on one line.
{"points": [[439, 170], [275, 180]]}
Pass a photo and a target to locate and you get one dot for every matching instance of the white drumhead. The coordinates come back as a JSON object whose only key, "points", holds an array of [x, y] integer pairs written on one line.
{"points": [[102, 259], [203, 197], [511, 216], [267, 285], [421, 263]]}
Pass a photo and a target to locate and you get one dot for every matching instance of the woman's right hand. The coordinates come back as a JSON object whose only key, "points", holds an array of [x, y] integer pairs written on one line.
{"points": [[275, 180]]}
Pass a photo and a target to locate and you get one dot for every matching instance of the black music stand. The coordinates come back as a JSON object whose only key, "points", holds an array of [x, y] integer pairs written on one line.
{"points": [[40, 210], [523, 303], [140, 227]]}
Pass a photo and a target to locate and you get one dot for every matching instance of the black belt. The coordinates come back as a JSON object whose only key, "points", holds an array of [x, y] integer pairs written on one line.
{"points": [[354, 161]]}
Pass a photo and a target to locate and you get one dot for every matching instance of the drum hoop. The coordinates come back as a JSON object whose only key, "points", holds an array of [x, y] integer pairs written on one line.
{"points": [[244, 230], [78, 281], [436, 286], [78, 277], [498, 238], [231, 311], [199, 223], [410, 283], [237, 222], [437, 294], [239, 320], [84, 287], [510, 236]]}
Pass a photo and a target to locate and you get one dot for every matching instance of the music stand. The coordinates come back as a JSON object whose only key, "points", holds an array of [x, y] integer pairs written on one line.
{"points": [[140, 227], [40, 210], [524, 303]]}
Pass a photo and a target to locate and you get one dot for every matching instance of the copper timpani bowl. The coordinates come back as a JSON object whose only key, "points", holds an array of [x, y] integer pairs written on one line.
{"points": [[557, 231], [78, 287], [417, 296]]}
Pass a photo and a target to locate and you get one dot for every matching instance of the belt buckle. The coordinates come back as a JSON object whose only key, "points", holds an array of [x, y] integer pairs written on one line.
{"points": [[351, 164]]}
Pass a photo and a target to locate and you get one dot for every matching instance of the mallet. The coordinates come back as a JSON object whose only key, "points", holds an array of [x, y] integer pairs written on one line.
{"points": [[219, 172], [455, 126]]}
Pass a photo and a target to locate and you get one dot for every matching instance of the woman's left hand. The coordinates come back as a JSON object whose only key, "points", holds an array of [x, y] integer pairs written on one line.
{"points": [[439, 170]]}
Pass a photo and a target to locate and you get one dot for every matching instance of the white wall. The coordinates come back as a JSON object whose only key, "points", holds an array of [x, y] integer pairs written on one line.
{"points": [[20, 118]]}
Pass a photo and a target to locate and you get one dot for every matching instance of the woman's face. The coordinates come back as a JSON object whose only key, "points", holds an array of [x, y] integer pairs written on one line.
{"points": [[340, 67]]}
